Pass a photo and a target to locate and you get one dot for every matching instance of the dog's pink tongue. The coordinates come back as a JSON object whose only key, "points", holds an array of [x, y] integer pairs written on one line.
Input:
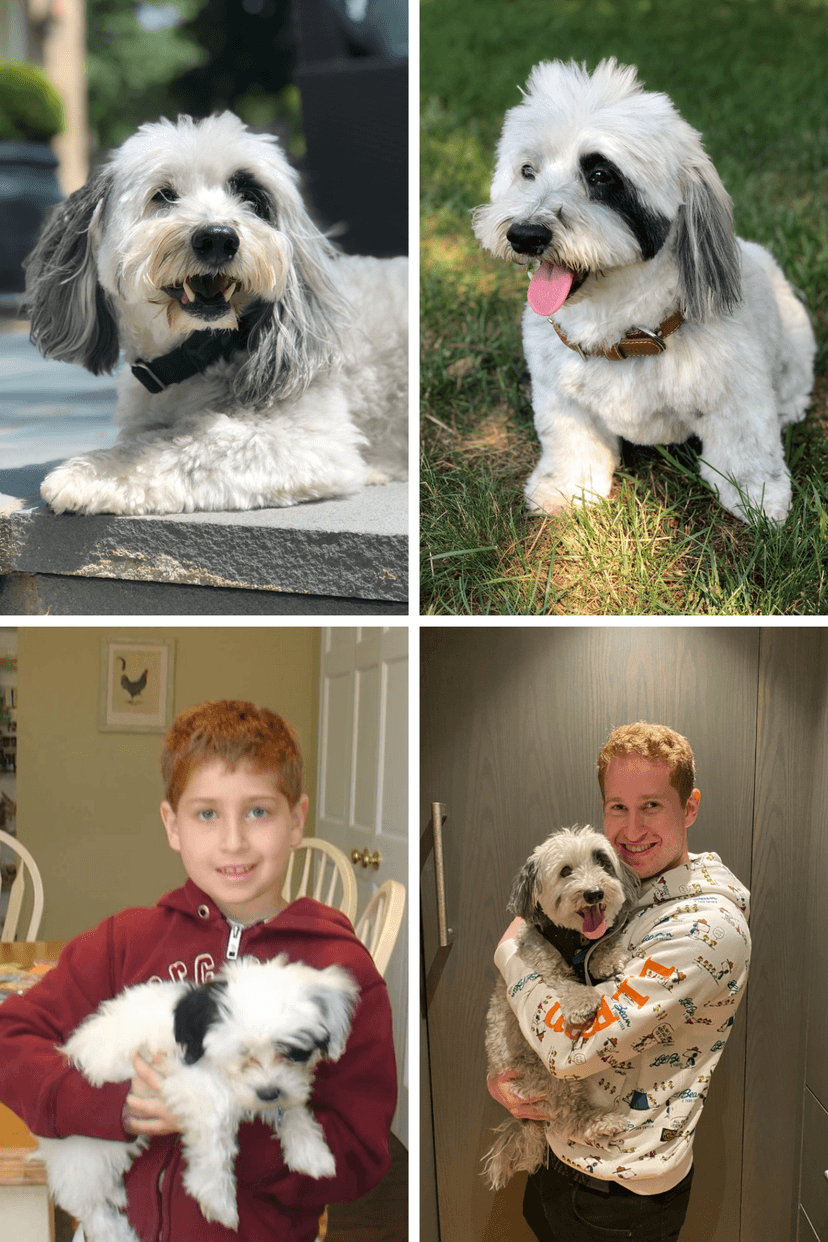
{"points": [[549, 288], [594, 922]]}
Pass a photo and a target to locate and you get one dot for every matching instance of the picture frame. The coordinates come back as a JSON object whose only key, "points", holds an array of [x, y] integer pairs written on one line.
{"points": [[136, 690]]}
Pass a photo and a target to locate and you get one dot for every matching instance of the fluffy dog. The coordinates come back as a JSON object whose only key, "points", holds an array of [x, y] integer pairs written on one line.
{"points": [[241, 1046], [572, 891], [647, 318], [264, 368]]}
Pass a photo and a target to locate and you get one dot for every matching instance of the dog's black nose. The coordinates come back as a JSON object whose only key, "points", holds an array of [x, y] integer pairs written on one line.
{"points": [[215, 244], [529, 238], [268, 1093], [593, 895]]}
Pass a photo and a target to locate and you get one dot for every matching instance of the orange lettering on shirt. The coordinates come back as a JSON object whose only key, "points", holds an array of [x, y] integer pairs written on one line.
{"points": [[656, 968], [624, 989]]}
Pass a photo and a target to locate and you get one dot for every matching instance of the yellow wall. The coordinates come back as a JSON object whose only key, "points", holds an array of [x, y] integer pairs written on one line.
{"points": [[87, 801]]}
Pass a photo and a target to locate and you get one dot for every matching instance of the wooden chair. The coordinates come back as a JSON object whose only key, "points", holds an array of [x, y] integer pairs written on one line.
{"points": [[380, 922], [27, 864], [328, 869]]}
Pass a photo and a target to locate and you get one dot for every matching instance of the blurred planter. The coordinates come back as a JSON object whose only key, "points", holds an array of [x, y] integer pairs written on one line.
{"points": [[28, 188], [31, 113]]}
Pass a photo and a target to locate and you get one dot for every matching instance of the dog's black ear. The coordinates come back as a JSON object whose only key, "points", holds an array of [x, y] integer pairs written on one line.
{"points": [[335, 997], [523, 899], [195, 1013], [69, 311], [707, 253]]}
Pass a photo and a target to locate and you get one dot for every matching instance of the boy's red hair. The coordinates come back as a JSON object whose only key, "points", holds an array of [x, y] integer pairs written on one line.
{"points": [[232, 731]]}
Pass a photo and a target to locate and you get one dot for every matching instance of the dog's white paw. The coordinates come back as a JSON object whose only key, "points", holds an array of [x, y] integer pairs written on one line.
{"points": [[303, 1144], [216, 1200], [550, 495], [606, 1126], [318, 1162], [73, 487], [579, 1009]]}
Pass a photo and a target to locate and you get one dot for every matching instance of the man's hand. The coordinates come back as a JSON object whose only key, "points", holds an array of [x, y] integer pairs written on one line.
{"points": [[524, 1110], [145, 1111], [511, 931]]}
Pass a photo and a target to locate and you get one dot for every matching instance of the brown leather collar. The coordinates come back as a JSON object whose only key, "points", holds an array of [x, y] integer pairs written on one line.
{"points": [[637, 343]]}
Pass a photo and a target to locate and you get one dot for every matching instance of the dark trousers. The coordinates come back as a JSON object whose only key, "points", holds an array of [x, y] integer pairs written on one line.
{"points": [[558, 1208]]}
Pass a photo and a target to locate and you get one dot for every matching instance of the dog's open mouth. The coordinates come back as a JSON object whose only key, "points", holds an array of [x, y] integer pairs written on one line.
{"points": [[206, 296], [595, 925], [551, 285]]}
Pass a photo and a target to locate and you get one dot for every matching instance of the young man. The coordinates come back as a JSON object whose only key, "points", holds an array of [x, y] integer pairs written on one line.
{"points": [[233, 810], [660, 1030]]}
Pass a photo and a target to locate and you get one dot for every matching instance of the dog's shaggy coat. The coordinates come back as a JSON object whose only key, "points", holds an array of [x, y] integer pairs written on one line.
{"points": [[193, 243], [241, 1046], [574, 881], [647, 318]]}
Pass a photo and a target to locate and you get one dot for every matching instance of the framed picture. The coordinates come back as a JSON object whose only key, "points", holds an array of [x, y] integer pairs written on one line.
{"points": [[136, 685]]}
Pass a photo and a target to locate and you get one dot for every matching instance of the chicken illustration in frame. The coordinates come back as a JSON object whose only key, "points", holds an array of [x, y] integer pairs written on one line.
{"points": [[136, 685]]}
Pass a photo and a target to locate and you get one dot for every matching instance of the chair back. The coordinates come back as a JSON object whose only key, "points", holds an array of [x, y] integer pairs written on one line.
{"points": [[326, 875], [380, 922], [27, 864]]}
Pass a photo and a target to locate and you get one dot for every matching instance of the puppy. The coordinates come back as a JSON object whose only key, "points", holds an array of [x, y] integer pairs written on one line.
{"points": [[646, 318], [263, 367], [242, 1046], [572, 892]]}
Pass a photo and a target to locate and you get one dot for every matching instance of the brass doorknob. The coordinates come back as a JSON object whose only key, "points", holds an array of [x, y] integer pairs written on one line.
{"points": [[364, 859]]}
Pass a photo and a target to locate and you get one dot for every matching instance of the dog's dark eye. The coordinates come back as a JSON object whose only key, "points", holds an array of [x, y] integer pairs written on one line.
{"points": [[245, 186], [165, 196], [601, 176], [528, 172], [565, 871], [293, 1053]]}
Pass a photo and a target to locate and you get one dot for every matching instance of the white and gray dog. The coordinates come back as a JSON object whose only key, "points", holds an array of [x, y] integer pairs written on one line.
{"points": [[263, 367], [647, 318], [242, 1046], [572, 892]]}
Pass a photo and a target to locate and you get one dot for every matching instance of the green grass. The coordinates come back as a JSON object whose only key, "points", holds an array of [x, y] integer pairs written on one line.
{"points": [[750, 76]]}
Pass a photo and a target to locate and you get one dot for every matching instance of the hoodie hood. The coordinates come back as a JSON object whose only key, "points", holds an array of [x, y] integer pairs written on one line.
{"points": [[703, 874]]}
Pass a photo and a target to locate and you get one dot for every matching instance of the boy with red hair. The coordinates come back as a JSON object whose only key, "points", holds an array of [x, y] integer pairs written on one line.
{"points": [[233, 809]]}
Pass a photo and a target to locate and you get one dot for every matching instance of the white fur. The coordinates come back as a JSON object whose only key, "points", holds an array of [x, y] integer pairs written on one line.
{"points": [[738, 370], [315, 406], [262, 1010]]}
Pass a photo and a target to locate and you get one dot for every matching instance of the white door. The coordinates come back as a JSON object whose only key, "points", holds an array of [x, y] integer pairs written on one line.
{"points": [[362, 790]]}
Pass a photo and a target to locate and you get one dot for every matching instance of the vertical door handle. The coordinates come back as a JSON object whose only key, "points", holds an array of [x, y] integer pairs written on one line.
{"points": [[437, 817]]}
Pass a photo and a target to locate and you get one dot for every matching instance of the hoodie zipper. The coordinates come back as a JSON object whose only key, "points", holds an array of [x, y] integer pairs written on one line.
{"points": [[233, 943]]}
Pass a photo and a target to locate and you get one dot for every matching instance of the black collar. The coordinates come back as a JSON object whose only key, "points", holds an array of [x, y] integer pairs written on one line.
{"points": [[198, 352]]}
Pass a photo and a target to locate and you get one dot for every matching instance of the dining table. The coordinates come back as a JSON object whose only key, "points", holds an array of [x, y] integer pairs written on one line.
{"points": [[26, 1212]]}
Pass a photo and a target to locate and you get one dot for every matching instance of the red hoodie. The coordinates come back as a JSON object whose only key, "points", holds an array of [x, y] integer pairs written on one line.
{"points": [[186, 936]]}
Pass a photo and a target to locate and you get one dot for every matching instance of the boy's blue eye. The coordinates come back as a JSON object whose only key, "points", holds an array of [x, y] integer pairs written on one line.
{"points": [[207, 813], [258, 812]]}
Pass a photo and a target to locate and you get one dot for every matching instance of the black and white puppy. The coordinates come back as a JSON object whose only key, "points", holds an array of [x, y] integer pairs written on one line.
{"points": [[241, 1046]]}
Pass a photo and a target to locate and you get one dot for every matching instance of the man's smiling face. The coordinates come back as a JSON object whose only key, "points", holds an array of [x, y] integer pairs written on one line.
{"points": [[644, 819]]}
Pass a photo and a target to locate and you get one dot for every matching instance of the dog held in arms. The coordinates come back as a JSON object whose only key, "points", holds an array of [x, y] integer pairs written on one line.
{"points": [[647, 318], [242, 1046], [573, 892], [264, 368]]}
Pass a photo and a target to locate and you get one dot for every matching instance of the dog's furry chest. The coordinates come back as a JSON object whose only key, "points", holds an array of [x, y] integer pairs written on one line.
{"points": [[645, 400]]}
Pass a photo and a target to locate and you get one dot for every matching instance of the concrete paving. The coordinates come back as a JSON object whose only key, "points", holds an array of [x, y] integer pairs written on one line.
{"points": [[354, 549]]}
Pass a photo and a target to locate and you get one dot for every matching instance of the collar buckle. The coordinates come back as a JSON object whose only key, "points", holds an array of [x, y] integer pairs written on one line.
{"points": [[143, 372]]}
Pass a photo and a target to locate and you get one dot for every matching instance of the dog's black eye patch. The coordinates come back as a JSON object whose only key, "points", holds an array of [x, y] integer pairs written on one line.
{"points": [[604, 862], [605, 183], [195, 1013], [527, 171], [245, 186], [565, 871]]}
